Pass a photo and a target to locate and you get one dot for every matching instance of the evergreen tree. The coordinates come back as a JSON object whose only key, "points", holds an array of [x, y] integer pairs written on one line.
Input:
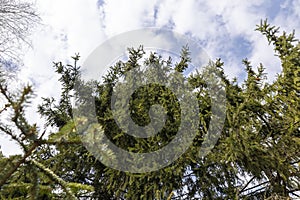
{"points": [[256, 156]]}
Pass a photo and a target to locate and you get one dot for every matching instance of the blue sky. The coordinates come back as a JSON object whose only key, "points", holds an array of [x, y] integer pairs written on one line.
{"points": [[224, 29]]}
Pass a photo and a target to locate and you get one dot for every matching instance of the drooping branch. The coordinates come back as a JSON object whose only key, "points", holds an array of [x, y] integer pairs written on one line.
{"points": [[55, 178]]}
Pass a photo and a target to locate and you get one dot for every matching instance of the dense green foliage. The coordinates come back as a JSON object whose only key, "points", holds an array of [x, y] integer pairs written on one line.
{"points": [[257, 155]]}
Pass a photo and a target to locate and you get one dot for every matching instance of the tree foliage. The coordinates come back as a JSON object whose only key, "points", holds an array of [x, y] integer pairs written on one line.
{"points": [[256, 157]]}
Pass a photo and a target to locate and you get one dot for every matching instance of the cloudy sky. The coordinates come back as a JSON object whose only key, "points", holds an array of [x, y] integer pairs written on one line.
{"points": [[224, 29]]}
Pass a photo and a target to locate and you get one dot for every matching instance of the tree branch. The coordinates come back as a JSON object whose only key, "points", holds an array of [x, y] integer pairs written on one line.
{"points": [[17, 165], [54, 177]]}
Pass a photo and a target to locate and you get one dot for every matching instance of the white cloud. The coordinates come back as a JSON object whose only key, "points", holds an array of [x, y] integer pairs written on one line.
{"points": [[80, 26], [220, 23], [69, 27], [121, 16], [263, 53], [217, 23]]}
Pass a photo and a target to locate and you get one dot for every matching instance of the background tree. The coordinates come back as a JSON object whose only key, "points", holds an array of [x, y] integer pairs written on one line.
{"points": [[16, 22]]}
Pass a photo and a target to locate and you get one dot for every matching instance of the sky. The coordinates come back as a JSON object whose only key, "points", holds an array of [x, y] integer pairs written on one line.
{"points": [[224, 29]]}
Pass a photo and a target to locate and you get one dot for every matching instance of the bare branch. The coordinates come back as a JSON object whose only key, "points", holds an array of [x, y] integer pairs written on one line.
{"points": [[17, 20]]}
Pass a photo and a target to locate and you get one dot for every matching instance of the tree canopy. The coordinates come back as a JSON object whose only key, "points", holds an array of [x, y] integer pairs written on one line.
{"points": [[256, 157]]}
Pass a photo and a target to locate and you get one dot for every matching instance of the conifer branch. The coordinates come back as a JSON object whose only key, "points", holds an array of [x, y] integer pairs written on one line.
{"points": [[55, 178]]}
